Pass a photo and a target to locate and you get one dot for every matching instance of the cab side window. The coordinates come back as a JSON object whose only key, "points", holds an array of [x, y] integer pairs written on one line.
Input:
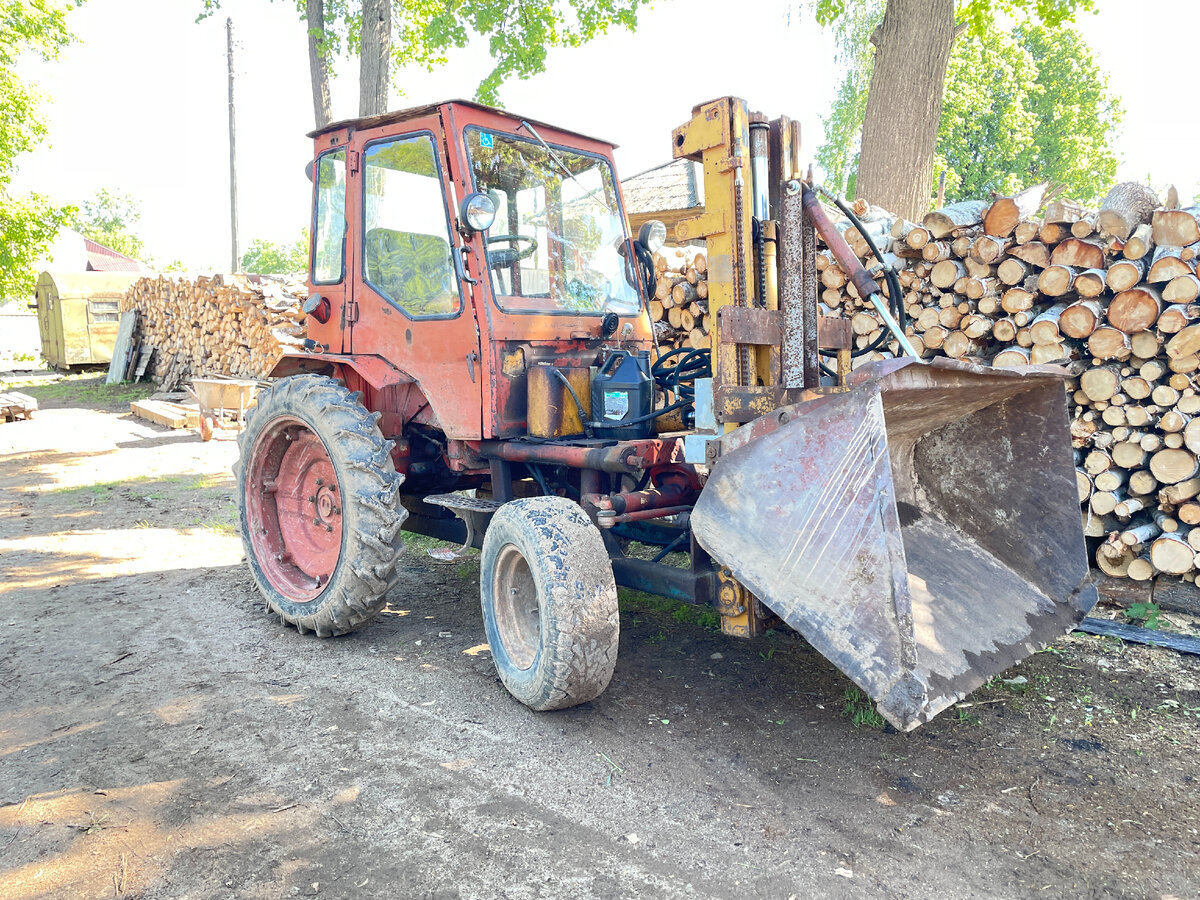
{"points": [[329, 219], [406, 236]]}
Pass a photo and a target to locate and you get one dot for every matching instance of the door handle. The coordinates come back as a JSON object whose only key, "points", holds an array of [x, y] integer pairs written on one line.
{"points": [[460, 263], [471, 359]]}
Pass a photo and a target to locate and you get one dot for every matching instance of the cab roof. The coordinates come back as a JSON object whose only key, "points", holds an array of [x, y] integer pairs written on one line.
{"points": [[399, 115]]}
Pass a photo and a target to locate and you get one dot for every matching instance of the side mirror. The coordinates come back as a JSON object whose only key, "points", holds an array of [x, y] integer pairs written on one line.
{"points": [[477, 213]]}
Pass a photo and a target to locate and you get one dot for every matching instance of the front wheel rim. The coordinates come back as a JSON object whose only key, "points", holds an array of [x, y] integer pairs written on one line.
{"points": [[515, 608], [294, 509]]}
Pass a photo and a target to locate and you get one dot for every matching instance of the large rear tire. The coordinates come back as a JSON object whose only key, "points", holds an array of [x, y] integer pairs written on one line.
{"points": [[549, 603], [319, 504]]}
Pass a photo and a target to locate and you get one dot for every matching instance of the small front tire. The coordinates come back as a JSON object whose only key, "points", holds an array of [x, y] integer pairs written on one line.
{"points": [[549, 603]]}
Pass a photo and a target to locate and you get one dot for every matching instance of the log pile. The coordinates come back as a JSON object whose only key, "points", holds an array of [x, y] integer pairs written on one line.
{"points": [[236, 325], [1110, 293], [679, 309]]}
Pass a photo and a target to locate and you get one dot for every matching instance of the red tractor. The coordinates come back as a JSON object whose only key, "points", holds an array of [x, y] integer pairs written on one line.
{"points": [[480, 367]]}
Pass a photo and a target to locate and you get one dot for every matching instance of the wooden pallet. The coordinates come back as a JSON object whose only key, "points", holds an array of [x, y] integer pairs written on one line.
{"points": [[170, 415], [15, 406]]}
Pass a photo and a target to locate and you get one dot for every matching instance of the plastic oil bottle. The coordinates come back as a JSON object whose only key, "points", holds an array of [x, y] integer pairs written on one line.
{"points": [[623, 396]]}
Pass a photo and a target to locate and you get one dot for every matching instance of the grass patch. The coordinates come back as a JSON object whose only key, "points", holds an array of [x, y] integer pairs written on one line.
{"points": [[220, 526], [85, 390], [966, 718], [101, 489], [89, 494], [209, 482], [420, 543], [636, 603], [860, 710]]}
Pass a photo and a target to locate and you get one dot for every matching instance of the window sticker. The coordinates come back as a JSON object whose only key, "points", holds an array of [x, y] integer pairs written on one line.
{"points": [[486, 140]]}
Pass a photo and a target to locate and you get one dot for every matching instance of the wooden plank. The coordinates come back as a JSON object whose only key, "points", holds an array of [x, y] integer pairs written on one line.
{"points": [[159, 413], [1138, 635], [144, 355], [123, 348], [14, 405]]}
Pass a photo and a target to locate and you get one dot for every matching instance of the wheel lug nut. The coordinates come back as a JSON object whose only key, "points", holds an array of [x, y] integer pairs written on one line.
{"points": [[320, 481], [316, 521], [312, 499], [329, 528]]}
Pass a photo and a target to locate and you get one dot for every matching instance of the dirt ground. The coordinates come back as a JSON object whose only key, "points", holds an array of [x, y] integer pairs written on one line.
{"points": [[161, 737]]}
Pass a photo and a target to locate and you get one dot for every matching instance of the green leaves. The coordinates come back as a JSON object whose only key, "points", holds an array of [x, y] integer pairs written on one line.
{"points": [[1025, 107], [268, 258], [1019, 107], [980, 15], [519, 32], [109, 219], [27, 224], [33, 26]]}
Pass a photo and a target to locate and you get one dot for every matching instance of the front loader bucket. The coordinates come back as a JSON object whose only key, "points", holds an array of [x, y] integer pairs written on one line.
{"points": [[921, 530]]}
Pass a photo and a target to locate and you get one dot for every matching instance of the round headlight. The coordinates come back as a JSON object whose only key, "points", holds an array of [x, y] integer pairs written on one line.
{"points": [[652, 235], [478, 211]]}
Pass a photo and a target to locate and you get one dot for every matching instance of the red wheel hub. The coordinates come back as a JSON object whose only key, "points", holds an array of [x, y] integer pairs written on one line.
{"points": [[293, 509]]}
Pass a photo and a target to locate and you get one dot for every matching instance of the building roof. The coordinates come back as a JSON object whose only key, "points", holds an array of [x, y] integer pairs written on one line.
{"points": [[105, 259], [676, 185]]}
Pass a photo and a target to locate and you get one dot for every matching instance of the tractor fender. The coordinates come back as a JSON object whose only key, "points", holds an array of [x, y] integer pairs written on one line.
{"points": [[394, 392], [374, 370]]}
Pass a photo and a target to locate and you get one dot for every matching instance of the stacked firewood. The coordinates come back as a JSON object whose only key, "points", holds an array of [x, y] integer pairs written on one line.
{"points": [[235, 325], [679, 310], [1110, 293]]}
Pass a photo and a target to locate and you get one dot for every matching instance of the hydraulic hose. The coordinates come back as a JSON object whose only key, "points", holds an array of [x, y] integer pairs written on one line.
{"points": [[859, 277]]}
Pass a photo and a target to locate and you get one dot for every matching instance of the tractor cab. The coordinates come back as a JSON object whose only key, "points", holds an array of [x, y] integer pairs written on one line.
{"points": [[437, 225]]}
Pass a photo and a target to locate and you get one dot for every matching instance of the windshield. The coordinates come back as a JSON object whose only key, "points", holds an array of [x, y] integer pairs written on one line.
{"points": [[558, 243]]}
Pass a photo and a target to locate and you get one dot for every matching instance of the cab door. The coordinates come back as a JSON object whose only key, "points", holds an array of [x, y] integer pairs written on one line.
{"points": [[407, 304]]}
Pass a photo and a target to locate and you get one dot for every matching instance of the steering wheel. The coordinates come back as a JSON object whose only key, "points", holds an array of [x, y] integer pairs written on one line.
{"points": [[507, 256]]}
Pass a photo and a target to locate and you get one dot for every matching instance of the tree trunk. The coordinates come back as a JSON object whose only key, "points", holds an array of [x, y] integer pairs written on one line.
{"points": [[904, 106], [317, 69], [375, 58]]}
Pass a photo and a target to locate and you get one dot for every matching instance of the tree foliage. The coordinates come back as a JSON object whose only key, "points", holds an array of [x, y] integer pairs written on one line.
{"points": [[978, 15], [109, 218], [1019, 107], [268, 258], [1025, 107], [519, 32], [27, 223]]}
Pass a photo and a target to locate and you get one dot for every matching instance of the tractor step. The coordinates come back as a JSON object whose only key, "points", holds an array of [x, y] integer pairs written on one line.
{"points": [[465, 508], [463, 503]]}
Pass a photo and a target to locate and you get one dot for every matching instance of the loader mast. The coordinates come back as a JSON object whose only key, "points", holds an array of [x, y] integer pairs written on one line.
{"points": [[762, 272]]}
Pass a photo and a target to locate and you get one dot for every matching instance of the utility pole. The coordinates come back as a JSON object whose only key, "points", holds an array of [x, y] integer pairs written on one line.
{"points": [[236, 264]]}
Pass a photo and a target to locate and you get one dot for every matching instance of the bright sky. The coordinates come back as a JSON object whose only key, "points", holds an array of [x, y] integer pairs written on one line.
{"points": [[139, 103]]}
